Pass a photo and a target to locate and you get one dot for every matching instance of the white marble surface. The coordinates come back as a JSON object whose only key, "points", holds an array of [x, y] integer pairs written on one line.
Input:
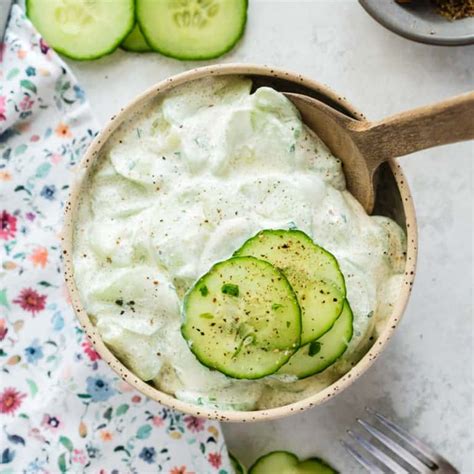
{"points": [[425, 378]]}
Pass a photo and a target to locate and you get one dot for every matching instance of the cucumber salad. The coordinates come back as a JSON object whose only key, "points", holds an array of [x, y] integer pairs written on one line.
{"points": [[220, 256]]}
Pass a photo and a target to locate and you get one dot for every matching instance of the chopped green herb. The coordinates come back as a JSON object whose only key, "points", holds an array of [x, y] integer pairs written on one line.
{"points": [[276, 306], [292, 148], [288, 324], [139, 133], [314, 348], [203, 290], [230, 289], [206, 316]]}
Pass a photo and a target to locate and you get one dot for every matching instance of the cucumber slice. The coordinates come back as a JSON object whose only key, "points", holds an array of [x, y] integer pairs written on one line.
{"points": [[82, 29], [318, 355], [312, 272], [192, 29], [237, 465], [135, 41], [276, 461], [315, 466], [242, 318], [283, 462]]}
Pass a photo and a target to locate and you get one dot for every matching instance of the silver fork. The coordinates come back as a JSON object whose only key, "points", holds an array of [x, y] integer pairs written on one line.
{"points": [[416, 456]]}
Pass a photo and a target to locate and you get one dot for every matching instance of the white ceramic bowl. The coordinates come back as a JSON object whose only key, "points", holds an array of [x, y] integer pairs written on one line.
{"points": [[393, 200]]}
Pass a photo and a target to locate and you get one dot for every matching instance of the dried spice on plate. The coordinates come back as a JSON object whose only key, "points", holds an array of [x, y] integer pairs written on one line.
{"points": [[450, 9], [455, 9]]}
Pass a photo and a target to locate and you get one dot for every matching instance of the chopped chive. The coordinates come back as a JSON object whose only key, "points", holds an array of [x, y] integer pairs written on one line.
{"points": [[276, 306], [314, 348], [230, 289], [206, 316], [203, 290]]}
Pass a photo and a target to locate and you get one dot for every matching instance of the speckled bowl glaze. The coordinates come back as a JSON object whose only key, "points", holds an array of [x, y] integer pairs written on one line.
{"points": [[393, 200]]}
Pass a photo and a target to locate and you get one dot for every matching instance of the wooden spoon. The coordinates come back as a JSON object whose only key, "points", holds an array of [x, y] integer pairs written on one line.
{"points": [[363, 146]]}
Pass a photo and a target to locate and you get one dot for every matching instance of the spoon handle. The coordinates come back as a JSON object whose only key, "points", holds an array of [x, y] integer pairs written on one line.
{"points": [[449, 121]]}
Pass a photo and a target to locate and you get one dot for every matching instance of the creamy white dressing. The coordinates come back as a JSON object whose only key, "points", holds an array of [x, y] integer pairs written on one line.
{"points": [[181, 186]]}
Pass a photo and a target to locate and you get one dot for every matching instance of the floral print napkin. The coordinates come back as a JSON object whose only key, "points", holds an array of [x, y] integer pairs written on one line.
{"points": [[61, 408]]}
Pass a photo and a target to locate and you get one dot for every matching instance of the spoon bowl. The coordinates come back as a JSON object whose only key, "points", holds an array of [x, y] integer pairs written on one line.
{"points": [[363, 146]]}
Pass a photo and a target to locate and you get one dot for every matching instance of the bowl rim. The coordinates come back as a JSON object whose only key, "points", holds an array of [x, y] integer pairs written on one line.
{"points": [[93, 152]]}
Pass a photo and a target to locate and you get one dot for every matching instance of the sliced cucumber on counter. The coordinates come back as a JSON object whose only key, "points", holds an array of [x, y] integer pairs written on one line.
{"points": [[316, 356], [82, 29], [135, 41], [192, 29], [237, 465], [242, 318], [283, 462], [313, 273], [182, 29]]}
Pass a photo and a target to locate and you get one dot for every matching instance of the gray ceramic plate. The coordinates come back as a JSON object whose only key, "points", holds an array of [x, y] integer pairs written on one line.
{"points": [[420, 22]]}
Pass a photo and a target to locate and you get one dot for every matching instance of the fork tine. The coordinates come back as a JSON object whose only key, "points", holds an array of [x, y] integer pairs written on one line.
{"points": [[365, 462], [378, 454], [426, 451], [395, 447]]}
